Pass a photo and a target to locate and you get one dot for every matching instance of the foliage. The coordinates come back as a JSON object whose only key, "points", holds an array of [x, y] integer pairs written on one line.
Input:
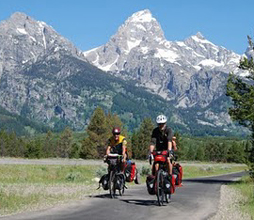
{"points": [[141, 139], [20, 125], [242, 93], [98, 132], [65, 143]]}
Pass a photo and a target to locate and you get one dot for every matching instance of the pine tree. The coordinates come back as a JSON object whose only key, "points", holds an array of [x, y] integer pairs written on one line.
{"points": [[49, 145], [3, 143], [180, 153], [200, 154], [242, 94], [93, 146], [65, 143], [142, 138]]}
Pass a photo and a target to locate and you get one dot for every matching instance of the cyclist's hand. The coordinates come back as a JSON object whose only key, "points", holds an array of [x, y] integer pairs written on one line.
{"points": [[150, 157], [171, 153], [105, 158]]}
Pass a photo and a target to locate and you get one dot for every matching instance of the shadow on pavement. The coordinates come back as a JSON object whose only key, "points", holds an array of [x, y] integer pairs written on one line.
{"points": [[210, 181], [141, 202], [101, 196]]}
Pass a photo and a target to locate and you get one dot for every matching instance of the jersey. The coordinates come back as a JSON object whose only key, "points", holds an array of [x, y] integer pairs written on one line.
{"points": [[117, 146], [160, 138]]}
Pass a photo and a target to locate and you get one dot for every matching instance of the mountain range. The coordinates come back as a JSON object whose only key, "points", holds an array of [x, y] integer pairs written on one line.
{"points": [[137, 74]]}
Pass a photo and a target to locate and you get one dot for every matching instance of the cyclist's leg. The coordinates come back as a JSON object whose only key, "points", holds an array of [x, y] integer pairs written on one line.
{"points": [[155, 168], [169, 165]]}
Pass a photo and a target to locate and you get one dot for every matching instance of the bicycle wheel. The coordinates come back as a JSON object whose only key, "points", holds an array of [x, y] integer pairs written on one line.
{"points": [[111, 182], [167, 197], [121, 191], [159, 190]]}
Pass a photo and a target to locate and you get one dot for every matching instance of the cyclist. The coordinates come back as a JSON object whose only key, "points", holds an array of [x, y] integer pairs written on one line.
{"points": [[162, 140], [117, 145]]}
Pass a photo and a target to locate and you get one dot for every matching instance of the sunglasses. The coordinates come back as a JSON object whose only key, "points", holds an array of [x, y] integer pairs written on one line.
{"points": [[116, 133]]}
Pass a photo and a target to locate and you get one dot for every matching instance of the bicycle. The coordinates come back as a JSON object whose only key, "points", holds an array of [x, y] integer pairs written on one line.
{"points": [[116, 177], [163, 182]]}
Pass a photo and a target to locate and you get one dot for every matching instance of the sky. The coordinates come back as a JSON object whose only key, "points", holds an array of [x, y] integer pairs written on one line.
{"points": [[91, 23]]}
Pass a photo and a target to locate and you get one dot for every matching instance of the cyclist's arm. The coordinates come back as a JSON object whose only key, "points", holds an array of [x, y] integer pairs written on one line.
{"points": [[169, 145], [108, 150], [151, 148], [153, 142], [169, 136], [124, 150], [174, 146]]}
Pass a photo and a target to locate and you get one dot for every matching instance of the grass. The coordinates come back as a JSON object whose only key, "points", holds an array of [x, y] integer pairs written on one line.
{"points": [[32, 187], [246, 187], [191, 170], [29, 187]]}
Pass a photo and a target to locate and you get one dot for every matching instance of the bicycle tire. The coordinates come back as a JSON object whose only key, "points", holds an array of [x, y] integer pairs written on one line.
{"points": [[111, 182], [160, 190], [167, 197], [121, 191]]}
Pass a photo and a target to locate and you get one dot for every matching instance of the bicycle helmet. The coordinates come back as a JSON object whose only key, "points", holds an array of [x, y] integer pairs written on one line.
{"points": [[116, 130], [161, 119]]}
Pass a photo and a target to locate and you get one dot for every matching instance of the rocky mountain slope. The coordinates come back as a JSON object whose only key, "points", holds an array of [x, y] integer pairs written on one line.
{"points": [[191, 72], [44, 77]]}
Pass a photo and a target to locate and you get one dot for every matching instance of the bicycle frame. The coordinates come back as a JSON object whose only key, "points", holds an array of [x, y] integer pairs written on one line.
{"points": [[114, 162], [160, 157]]}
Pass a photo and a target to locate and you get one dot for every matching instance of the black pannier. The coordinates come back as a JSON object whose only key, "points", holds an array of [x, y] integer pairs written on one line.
{"points": [[119, 181], [104, 181], [167, 185], [150, 180]]}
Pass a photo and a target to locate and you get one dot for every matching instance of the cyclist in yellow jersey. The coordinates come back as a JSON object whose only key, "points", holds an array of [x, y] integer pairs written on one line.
{"points": [[117, 144]]}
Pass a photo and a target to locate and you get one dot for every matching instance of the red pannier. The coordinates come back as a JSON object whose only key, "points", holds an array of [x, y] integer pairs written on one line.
{"points": [[130, 171], [173, 181], [160, 156], [178, 171]]}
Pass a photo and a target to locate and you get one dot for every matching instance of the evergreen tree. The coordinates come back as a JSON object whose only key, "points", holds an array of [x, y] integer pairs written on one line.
{"points": [[200, 154], [142, 138], [49, 145], [191, 153], [3, 143], [64, 143], [236, 153], [242, 94], [180, 147], [94, 144]]}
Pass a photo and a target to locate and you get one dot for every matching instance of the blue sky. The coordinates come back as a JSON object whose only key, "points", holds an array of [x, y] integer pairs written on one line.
{"points": [[91, 23]]}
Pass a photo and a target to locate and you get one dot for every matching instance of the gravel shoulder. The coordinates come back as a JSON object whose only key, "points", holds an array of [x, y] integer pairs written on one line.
{"points": [[229, 205]]}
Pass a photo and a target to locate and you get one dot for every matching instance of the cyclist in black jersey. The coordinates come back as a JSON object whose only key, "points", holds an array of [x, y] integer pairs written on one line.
{"points": [[162, 140]]}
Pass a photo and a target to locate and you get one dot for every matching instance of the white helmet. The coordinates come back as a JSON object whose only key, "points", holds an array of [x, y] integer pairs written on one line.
{"points": [[161, 119]]}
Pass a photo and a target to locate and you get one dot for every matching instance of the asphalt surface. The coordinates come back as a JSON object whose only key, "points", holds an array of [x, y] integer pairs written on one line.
{"points": [[197, 199]]}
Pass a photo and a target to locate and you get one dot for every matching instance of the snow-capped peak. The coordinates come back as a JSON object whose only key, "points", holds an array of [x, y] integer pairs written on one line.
{"points": [[142, 16], [200, 39]]}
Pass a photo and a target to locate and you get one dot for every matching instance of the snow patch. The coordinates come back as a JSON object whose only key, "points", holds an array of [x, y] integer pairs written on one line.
{"points": [[167, 55], [142, 16], [22, 31], [205, 123], [202, 41], [132, 44], [140, 26], [108, 67], [210, 63], [144, 50]]}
